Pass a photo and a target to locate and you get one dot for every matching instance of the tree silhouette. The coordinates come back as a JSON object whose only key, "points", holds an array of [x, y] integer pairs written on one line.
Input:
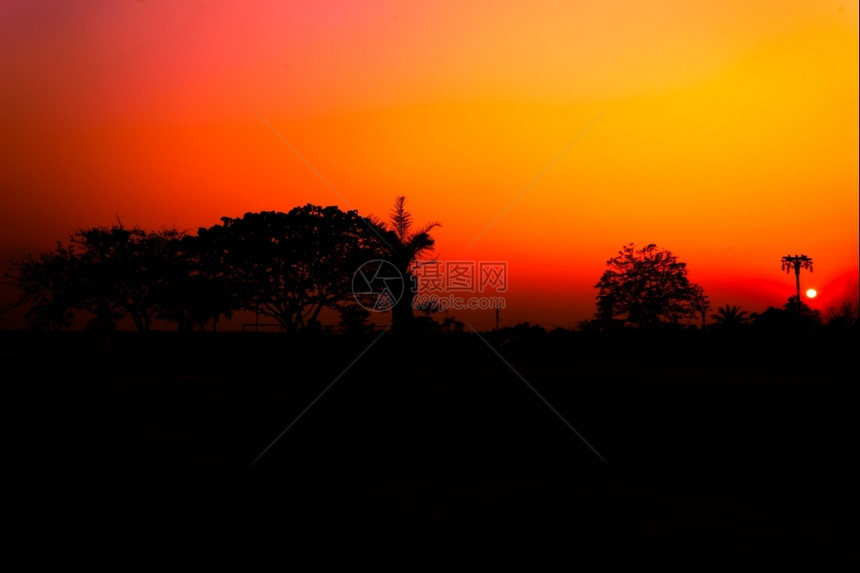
{"points": [[648, 287], [354, 320], [193, 290], [451, 325], [700, 302], [49, 285], [794, 316], [807, 315], [405, 247], [123, 269], [211, 281], [731, 316], [796, 263], [844, 318], [290, 266]]}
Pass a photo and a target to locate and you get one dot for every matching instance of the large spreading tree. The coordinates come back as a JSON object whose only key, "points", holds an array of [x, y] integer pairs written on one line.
{"points": [[648, 287], [291, 266]]}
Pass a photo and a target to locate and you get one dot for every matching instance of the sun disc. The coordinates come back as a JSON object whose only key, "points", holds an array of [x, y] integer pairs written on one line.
{"points": [[811, 293]]}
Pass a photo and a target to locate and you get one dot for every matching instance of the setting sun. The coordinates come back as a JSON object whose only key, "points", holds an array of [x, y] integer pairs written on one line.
{"points": [[811, 293]]}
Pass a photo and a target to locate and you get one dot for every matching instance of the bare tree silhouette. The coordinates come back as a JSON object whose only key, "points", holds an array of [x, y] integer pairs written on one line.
{"points": [[796, 263]]}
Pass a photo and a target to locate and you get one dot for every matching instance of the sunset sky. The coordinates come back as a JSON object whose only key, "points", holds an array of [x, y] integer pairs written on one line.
{"points": [[544, 134]]}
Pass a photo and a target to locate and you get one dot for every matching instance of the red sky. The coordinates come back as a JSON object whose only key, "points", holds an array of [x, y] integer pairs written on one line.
{"points": [[726, 132]]}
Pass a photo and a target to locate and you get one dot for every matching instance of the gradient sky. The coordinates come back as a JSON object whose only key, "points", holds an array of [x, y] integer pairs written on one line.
{"points": [[554, 133]]}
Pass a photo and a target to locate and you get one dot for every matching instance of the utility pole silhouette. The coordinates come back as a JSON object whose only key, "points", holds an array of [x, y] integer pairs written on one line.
{"points": [[796, 263]]}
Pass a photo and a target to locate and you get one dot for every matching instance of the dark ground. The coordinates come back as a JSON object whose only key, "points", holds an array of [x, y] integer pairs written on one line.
{"points": [[748, 459]]}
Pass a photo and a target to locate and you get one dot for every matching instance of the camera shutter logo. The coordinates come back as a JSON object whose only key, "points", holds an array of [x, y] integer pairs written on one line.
{"points": [[377, 285]]}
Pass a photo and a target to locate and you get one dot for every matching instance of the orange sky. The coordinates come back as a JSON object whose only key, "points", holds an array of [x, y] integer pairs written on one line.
{"points": [[726, 132]]}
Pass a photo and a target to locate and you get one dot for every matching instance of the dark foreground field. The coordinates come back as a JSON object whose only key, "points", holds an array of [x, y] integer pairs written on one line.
{"points": [[689, 459]]}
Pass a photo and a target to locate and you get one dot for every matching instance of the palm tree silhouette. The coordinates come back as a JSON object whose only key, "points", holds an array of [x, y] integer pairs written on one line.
{"points": [[796, 263], [405, 248], [730, 316]]}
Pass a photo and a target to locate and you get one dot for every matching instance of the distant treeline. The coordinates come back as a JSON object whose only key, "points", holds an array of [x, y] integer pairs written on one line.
{"points": [[291, 266]]}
